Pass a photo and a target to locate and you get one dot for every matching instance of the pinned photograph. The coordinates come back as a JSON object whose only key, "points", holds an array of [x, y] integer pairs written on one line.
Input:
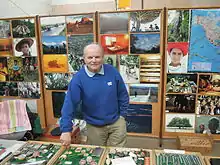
{"points": [[80, 24], [143, 93], [5, 29], [181, 83], [184, 123], [54, 44], [57, 81], [76, 44], [53, 26], [208, 124], [23, 28], [145, 21], [209, 84], [30, 69], [145, 43], [8, 89], [180, 103], [25, 47], [208, 105], [113, 23], [129, 68], [204, 41], [29, 90], [6, 47], [150, 68], [177, 57], [15, 69], [55, 63], [115, 43], [4, 75], [139, 118], [111, 60], [178, 25]]}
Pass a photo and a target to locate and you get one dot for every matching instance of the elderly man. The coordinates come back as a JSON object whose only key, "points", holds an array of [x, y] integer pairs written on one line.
{"points": [[104, 101]]}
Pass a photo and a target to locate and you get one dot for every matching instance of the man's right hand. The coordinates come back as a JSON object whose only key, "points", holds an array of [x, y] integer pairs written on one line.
{"points": [[65, 138]]}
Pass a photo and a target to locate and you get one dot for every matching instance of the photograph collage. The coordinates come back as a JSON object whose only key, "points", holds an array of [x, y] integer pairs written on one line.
{"points": [[19, 68], [193, 79], [131, 43]]}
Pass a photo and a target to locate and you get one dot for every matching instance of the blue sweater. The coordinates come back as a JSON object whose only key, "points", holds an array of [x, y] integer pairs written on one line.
{"points": [[104, 98]]}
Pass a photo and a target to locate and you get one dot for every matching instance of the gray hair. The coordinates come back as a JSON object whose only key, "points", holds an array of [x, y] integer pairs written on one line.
{"points": [[92, 45]]}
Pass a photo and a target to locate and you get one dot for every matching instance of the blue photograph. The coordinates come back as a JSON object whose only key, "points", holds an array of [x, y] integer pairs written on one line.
{"points": [[145, 43], [54, 44], [139, 118], [204, 49]]}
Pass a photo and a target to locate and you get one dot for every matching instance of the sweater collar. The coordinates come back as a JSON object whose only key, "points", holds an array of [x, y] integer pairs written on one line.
{"points": [[91, 74]]}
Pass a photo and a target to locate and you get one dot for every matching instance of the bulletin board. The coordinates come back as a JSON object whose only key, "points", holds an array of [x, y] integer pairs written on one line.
{"points": [[192, 74], [63, 38], [20, 68], [132, 43]]}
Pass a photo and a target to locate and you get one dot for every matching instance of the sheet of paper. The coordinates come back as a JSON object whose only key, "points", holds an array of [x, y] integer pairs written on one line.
{"points": [[174, 151], [123, 161]]}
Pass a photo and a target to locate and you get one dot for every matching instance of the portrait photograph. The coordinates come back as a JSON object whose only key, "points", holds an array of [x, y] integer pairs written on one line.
{"points": [[4, 75], [53, 26], [30, 69], [55, 63], [8, 89], [208, 124], [180, 103], [111, 60], [177, 57], [139, 118], [115, 43], [208, 105], [57, 81], [143, 93], [184, 123], [23, 28], [25, 47], [145, 43], [5, 29], [6, 47], [80, 24], [129, 68], [145, 21], [178, 25], [181, 83], [29, 90], [54, 44], [15, 69], [209, 84], [113, 23], [150, 68]]}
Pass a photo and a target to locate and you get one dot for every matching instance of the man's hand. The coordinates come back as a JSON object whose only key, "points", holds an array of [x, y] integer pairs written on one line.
{"points": [[65, 138]]}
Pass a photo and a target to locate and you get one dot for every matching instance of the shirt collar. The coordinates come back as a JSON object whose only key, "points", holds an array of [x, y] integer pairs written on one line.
{"points": [[91, 74]]}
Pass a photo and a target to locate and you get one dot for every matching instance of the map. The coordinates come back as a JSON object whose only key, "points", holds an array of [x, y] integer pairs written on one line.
{"points": [[204, 52]]}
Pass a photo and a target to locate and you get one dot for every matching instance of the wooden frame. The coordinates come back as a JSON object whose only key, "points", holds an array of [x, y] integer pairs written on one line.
{"points": [[156, 113], [50, 119], [207, 159], [163, 107], [40, 101]]}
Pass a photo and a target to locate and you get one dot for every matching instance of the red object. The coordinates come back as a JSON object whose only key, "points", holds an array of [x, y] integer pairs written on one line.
{"points": [[180, 45]]}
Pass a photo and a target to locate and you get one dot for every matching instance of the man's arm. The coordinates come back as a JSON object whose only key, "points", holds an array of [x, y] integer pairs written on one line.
{"points": [[123, 97], [72, 99]]}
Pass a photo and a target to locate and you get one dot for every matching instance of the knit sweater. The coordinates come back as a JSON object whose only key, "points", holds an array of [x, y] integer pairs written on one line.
{"points": [[104, 98]]}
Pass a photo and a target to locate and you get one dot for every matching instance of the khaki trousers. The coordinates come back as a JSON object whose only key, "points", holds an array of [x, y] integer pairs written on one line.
{"points": [[109, 135]]}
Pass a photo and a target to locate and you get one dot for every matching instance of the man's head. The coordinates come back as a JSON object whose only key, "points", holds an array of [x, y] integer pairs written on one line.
{"points": [[176, 55], [93, 56]]}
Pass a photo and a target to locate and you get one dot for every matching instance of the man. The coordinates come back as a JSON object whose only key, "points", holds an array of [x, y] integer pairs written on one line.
{"points": [[104, 101]]}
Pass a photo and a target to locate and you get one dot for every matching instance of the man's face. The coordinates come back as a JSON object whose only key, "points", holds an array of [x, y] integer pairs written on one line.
{"points": [[176, 55], [25, 48], [94, 59]]}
